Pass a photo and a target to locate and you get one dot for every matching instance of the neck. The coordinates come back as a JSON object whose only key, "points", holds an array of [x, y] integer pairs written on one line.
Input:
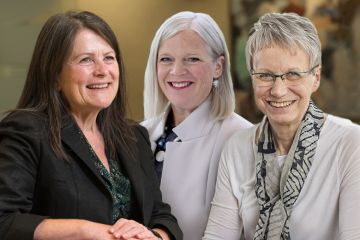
{"points": [[283, 137], [179, 115], [86, 122]]}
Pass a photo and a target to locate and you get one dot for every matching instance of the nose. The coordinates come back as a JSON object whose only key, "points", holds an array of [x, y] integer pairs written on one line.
{"points": [[100, 69], [279, 88], [178, 68]]}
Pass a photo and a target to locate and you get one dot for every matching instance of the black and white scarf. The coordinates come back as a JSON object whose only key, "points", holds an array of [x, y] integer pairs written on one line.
{"points": [[278, 189]]}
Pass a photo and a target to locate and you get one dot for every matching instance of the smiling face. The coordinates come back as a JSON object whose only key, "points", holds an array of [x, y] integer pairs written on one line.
{"points": [[186, 70], [89, 79], [284, 105]]}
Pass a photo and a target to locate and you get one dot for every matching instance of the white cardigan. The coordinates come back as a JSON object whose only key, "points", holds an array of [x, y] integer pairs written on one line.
{"points": [[328, 205], [190, 166]]}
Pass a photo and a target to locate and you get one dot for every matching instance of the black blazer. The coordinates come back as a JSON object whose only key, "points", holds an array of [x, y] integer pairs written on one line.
{"points": [[35, 184]]}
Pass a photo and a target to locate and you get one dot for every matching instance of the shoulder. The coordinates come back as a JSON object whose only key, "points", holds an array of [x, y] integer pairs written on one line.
{"points": [[152, 123], [155, 127], [236, 121], [240, 145], [140, 132], [233, 124], [238, 154], [341, 129], [24, 121], [242, 139], [24, 132], [342, 135], [341, 138]]}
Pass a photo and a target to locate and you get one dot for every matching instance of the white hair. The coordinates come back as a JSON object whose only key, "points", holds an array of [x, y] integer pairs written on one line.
{"points": [[286, 30], [222, 97]]}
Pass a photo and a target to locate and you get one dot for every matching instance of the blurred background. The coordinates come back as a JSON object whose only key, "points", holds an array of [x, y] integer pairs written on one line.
{"points": [[338, 25], [135, 23]]}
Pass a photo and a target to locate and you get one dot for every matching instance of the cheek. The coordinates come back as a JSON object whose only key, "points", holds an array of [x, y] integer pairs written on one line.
{"points": [[161, 82], [62, 80], [117, 85], [259, 96], [67, 85], [117, 80], [303, 91], [204, 75], [259, 92], [160, 79], [115, 70], [75, 78], [161, 69], [161, 75]]}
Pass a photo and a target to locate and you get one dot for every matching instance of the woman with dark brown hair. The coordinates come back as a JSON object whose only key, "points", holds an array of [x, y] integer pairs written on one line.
{"points": [[71, 165]]}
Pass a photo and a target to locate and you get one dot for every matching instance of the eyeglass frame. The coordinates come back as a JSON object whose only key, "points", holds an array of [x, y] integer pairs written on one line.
{"points": [[275, 76]]}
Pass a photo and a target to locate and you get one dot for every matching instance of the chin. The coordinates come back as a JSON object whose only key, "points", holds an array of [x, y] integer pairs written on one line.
{"points": [[103, 106], [284, 120]]}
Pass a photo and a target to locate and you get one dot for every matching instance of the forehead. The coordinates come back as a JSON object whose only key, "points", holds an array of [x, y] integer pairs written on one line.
{"points": [[186, 39], [276, 56], [85, 38]]}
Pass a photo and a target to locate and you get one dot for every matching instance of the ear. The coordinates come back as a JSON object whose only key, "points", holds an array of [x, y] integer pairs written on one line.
{"points": [[317, 73], [219, 67]]}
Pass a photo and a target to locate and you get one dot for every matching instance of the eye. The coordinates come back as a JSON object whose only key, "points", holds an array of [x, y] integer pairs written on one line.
{"points": [[292, 76], [86, 60], [265, 76], [193, 59], [109, 58], [165, 59]]}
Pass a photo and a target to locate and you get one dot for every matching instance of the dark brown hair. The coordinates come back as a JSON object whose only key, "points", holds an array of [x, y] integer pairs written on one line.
{"points": [[40, 94]]}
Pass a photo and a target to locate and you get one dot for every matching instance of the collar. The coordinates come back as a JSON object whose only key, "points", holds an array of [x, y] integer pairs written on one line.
{"points": [[197, 124]]}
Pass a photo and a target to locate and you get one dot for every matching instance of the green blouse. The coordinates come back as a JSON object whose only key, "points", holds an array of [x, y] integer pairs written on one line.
{"points": [[117, 184]]}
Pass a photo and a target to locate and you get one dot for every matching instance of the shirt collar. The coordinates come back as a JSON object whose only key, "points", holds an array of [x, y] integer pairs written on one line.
{"points": [[197, 124]]}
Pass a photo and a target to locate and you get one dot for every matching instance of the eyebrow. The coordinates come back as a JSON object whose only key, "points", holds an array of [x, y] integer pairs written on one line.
{"points": [[91, 53], [291, 69]]}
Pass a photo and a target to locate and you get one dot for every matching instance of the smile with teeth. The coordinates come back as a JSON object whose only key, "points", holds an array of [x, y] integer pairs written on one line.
{"points": [[180, 84], [280, 104], [98, 86]]}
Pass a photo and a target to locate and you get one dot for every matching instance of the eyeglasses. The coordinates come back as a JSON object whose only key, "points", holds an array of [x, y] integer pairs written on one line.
{"points": [[292, 78]]}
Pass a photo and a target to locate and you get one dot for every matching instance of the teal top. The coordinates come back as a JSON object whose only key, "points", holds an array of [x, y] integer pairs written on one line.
{"points": [[117, 183], [119, 186]]}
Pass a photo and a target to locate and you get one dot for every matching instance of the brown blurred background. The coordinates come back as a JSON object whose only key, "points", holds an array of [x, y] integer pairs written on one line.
{"points": [[135, 23]]}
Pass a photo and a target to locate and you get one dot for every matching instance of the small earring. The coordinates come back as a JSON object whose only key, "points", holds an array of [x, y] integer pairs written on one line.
{"points": [[215, 83]]}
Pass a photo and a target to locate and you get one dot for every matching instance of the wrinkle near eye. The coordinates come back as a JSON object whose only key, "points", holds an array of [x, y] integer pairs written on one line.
{"points": [[86, 61], [110, 59], [164, 59], [293, 73], [193, 59]]}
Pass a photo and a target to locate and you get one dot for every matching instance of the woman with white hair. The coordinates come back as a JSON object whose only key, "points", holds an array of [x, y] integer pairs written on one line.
{"points": [[296, 175], [189, 113]]}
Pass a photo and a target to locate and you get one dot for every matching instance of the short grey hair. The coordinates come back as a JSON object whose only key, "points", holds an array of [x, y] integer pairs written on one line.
{"points": [[286, 30], [222, 97]]}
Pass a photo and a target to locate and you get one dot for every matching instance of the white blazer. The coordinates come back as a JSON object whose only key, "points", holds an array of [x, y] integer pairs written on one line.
{"points": [[190, 166]]}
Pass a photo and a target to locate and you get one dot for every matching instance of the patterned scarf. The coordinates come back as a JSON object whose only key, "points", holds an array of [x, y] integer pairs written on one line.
{"points": [[278, 189]]}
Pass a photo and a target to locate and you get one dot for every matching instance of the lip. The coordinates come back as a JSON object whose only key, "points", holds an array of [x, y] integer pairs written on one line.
{"points": [[98, 86], [280, 104], [180, 85]]}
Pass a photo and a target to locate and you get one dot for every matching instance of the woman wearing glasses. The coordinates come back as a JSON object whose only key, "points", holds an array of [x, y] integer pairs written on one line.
{"points": [[295, 175]]}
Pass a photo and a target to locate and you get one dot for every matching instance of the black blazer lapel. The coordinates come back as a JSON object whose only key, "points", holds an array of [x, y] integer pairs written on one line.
{"points": [[134, 172], [71, 138]]}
